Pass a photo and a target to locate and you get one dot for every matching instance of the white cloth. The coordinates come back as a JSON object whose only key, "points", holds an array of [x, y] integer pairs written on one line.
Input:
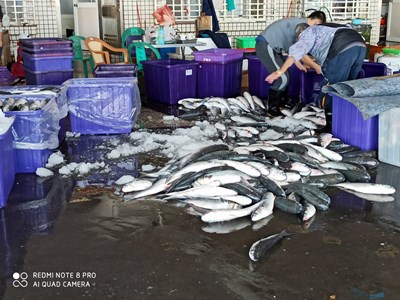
{"points": [[218, 4]]}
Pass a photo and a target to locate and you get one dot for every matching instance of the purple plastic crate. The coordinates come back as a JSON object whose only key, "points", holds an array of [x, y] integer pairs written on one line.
{"points": [[47, 62], [259, 87], [63, 129], [103, 105], [373, 69], [35, 127], [53, 51], [7, 169], [46, 43], [28, 160], [56, 77], [311, 84], [218, 55], [219, 79], [115, 71], [169, 80], [349, 125], [36, 203]]}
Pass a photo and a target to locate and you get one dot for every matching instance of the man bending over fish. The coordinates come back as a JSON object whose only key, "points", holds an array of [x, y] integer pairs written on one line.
{"points": [[338, 51]]}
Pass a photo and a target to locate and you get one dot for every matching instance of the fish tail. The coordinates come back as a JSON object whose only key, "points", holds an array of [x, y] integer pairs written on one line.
{"points": [[284, 232]]}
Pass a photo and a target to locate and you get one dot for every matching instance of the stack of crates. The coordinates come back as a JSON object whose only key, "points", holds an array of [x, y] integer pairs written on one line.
{"points": [[7, 171], [47, 60], [219, 73]]}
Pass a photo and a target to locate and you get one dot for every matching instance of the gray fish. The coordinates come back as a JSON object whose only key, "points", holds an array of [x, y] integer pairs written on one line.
{"points": [[259, 248], [356, 175], [363, 153], [368, 162], [271, 185], [288, 205], [327, 179], [194, 156]]}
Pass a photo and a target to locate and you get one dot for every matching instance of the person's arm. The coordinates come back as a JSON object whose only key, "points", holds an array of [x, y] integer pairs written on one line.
{"points": [[1, 39], [296, 52], [278, 73], [310, 62]]}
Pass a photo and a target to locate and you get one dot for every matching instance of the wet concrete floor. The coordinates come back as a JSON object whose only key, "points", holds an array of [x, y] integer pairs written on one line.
{"points": [[60, 241]]}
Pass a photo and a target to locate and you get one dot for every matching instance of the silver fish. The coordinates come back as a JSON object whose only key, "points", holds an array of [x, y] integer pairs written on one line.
{"points": [[136, 185], [264, 210], [226, 227], [309, 211], [263, 222], [259, 248], [249, 99], [367, 188], [210, 203], [202, 192], [372, 197], [159, 186], [222, 215], [258, 101]]}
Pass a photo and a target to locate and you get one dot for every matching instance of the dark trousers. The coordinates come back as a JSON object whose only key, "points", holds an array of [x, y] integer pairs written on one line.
{"points": [[344, 66], [272, 61]]}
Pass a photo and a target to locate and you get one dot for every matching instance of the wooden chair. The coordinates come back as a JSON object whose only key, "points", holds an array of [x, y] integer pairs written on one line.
{"points": [[140, 53], [79, 55], [100, 51]]}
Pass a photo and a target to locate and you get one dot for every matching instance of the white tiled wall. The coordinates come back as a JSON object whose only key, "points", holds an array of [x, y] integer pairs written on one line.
{"points": [[235, 29]]}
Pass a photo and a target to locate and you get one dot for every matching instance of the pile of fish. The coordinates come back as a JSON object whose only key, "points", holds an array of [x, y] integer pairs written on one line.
{"points": [[21, 104], [263, 164]]}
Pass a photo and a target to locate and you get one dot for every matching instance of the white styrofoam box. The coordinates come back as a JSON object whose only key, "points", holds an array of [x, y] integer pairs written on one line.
{"points": [[391, 61], [389, 137]]}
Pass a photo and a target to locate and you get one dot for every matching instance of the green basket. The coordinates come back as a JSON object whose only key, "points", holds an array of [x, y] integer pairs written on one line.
{"points": [[391, 51], [245, 42]]}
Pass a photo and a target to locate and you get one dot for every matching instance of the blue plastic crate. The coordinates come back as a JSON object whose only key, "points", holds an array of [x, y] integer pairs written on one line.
{"points": [[47, 62], [349, 125], [219, 79], [103, 105], [56, 77], [169, 80], [7, 170]]}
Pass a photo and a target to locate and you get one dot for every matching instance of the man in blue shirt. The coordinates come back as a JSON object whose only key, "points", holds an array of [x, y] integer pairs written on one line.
{"points": [[271, 46], [338, 51]]}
